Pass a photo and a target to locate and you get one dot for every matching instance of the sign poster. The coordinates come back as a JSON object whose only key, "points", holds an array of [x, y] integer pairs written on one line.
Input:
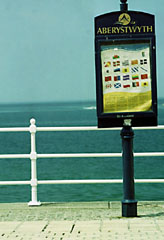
{"points": [[126, 77]]}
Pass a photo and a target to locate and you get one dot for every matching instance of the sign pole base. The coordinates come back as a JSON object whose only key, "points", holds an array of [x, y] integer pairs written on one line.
{"points": [[129, 208]]}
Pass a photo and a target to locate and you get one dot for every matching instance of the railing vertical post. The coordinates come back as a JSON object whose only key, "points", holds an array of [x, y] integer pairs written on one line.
{"points": [[33, 157]]}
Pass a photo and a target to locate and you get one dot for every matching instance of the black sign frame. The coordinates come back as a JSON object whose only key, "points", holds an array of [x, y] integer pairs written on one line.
{"points": [[133, 27]]}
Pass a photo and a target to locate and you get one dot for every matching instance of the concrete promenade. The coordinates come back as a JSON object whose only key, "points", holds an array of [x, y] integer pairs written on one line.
{"points": [[89, 220]]}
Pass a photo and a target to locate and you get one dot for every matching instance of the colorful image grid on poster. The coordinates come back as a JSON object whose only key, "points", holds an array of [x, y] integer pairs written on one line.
{"points": [[126, 79]]}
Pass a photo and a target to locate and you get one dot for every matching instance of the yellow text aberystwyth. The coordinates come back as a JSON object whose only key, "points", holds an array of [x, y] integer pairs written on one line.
{"points": [[126, 30]]}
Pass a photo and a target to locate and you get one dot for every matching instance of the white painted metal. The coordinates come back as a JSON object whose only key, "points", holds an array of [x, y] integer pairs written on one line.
{"points": [[89, 128], [92, 128], [33, 157], [97, 181], [149, 180], [78, 155], [70, 129], [86, 181], [88, 155], [15, 129], [14, 156], [15, 182], [159, 127], [149, 154], [89, 181]]}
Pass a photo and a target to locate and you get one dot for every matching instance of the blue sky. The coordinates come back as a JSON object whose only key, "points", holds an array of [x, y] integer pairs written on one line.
{"points": [[47, 48]]}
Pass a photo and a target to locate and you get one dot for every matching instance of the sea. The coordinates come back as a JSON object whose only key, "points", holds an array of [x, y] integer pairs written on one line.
{"points": [[75, 114]]}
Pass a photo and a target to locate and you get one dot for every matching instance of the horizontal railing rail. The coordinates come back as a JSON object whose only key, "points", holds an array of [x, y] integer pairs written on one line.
{"points": [[81, 155], [70, 129], [34, 156]]}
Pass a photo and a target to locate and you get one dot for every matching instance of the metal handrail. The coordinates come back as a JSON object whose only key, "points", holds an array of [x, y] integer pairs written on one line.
{"points": [[80, 155], [87, 128], [34, 156]]}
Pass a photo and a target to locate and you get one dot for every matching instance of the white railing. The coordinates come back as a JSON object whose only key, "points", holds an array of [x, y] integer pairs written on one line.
{"points": [[34, 156]]}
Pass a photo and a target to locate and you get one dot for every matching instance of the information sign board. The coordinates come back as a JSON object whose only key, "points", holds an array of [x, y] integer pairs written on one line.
{"points": [[125, 69]]}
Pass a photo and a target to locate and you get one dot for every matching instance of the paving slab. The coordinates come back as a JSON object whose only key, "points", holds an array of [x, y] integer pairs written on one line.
{"points": [[86, 221]]}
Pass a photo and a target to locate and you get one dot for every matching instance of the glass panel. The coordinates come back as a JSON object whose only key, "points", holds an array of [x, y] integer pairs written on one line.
{"points": [[126, 77]]}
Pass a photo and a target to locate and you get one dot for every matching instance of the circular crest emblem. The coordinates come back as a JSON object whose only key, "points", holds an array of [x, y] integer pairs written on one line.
{"points": [[124, 19]]}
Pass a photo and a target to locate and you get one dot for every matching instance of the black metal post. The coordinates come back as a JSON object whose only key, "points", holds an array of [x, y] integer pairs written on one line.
{"points": [[129, 204], [123, 5]]}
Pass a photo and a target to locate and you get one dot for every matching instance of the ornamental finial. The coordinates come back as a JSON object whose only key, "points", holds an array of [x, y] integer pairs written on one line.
{"points": [[123, 5]]}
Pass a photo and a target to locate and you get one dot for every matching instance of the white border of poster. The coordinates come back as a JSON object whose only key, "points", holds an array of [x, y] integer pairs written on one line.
{"points": [[126, 77]]}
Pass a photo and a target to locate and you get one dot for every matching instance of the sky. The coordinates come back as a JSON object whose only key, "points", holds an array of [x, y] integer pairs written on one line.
{"points": [[47, 48]]}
